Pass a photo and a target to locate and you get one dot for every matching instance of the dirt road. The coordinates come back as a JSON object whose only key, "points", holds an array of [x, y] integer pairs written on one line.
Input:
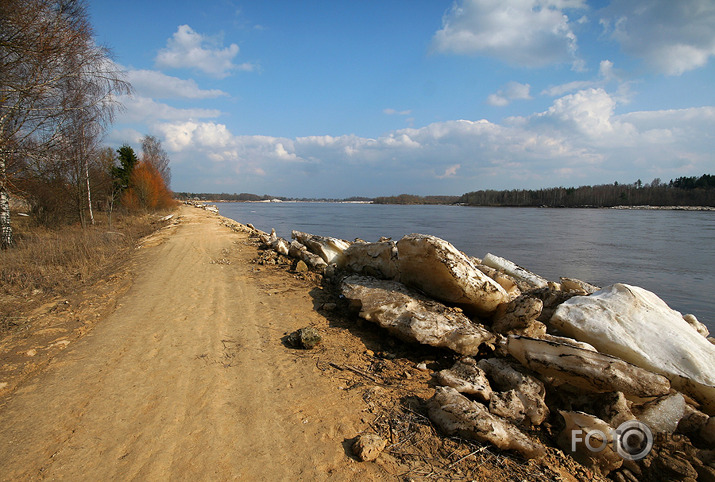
{"points": [[186, 379]]}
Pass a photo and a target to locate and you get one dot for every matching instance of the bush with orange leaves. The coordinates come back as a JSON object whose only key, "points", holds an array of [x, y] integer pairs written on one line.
{"points": [[147, 190]]}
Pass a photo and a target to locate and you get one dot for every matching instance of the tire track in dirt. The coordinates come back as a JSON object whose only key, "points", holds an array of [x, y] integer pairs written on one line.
{"points": [[187, 379]]}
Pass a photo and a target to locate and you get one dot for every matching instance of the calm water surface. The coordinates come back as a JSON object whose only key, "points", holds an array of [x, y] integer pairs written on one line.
{"points": [[671, 253]]}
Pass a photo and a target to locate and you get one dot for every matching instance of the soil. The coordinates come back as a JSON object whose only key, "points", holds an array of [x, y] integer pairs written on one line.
{"points": [[176, 366]]}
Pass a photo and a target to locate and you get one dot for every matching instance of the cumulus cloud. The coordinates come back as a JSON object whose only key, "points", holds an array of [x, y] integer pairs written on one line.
{"points": [[606, 74], [578, 139], [190, 49], [531, 33], [672, 37], [155, 84], [511, 91]]}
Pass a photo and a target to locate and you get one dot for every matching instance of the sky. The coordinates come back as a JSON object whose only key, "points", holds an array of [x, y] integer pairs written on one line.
{"points": [[372, 98]]}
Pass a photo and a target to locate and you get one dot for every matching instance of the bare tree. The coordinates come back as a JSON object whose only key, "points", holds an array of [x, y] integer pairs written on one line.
{"points": [[154, 154], [53, 78]]}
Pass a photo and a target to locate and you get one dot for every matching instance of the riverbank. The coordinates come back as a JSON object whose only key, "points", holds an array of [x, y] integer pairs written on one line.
{"points": [[188, 375]]}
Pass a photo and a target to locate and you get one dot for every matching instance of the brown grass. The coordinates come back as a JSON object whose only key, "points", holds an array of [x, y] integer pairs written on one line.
{"points": [[55, 262]]}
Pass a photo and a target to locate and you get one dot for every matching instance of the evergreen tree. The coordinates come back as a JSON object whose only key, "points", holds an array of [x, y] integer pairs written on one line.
{"points": [[123, 173]]}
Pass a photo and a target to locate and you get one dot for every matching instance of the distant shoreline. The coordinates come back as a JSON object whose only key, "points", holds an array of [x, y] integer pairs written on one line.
{"points": [[623, 208]]}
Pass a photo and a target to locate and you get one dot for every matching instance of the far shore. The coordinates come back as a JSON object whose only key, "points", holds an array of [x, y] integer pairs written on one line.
{"points": [[640, 208]]}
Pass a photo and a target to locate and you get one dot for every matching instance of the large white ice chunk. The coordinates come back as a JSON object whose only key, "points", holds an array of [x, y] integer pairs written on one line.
{"points": [[635, 325]]}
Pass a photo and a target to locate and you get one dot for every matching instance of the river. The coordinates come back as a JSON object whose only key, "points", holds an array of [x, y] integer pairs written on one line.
{"points": [[671, 253]]}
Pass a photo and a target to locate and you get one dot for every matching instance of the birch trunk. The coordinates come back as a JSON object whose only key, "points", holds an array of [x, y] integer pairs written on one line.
{"points": [[5, 228]]}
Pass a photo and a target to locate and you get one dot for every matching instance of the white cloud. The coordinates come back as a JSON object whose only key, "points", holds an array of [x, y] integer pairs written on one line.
{"points": [[531, 33], [152, 83], [189, 49], [144, 109], [578, 140], [606, 74], [389, 111], [673, 37], [511, 91], [451, 171]]}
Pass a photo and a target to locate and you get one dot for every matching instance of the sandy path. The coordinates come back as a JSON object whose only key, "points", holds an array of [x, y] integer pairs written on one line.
{"points": [[186, 379]]}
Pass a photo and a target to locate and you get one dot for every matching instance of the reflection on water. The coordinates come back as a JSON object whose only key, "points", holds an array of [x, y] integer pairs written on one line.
{"points": [[671, 253]]}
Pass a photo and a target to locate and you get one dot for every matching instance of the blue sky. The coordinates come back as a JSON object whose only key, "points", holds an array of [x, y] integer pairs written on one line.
{"points": [[338, 99]]}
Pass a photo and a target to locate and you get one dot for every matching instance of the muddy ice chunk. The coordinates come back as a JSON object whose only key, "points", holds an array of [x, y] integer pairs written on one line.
{"points": [[466, 377], [583, 433], [435, 267], [699, 327], [455, 414], [577, 286], [663, 414], [414, 317], [531, 392], [635, 325], [505, 281], [372, 259], [693, 420], [330, 249], [299, 251], [530, 279], [507, 405], [520, 315], [585, 369]]}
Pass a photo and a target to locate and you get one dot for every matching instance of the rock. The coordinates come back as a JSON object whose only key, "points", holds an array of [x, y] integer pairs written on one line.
{"points": [[531, 392], [437, 268], [301, 267], [466, 377], [507, 405], [455, 414], [589, 440], [663, 414], [330, 306], [577, 287], [635, 325], [523, 276], [414, 317], [699, 327], [307, 338], [378, 260], [585, 369], [519, 315], [330, 249], [367, 447], [422, 366]]}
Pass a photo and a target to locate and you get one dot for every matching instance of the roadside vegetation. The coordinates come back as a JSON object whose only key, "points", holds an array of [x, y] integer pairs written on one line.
{"points": [[70, 207]]}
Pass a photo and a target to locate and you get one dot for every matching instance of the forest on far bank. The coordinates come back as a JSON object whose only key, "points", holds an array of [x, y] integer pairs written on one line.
{"points": [[683, 191]]}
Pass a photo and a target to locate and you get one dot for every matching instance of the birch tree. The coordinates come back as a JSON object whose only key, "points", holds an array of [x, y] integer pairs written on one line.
{"points": [[47, 49]]}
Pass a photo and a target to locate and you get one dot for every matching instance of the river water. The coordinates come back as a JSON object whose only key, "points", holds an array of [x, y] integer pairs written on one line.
{"points": [[671, 253]]}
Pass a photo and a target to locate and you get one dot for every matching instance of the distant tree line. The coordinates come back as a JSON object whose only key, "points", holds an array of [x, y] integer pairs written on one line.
{"points": [[203, 196], [683, 191], [412, 199]]}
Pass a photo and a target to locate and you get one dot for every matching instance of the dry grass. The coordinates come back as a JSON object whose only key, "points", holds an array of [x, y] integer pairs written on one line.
{"points": [[55, 262]]}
